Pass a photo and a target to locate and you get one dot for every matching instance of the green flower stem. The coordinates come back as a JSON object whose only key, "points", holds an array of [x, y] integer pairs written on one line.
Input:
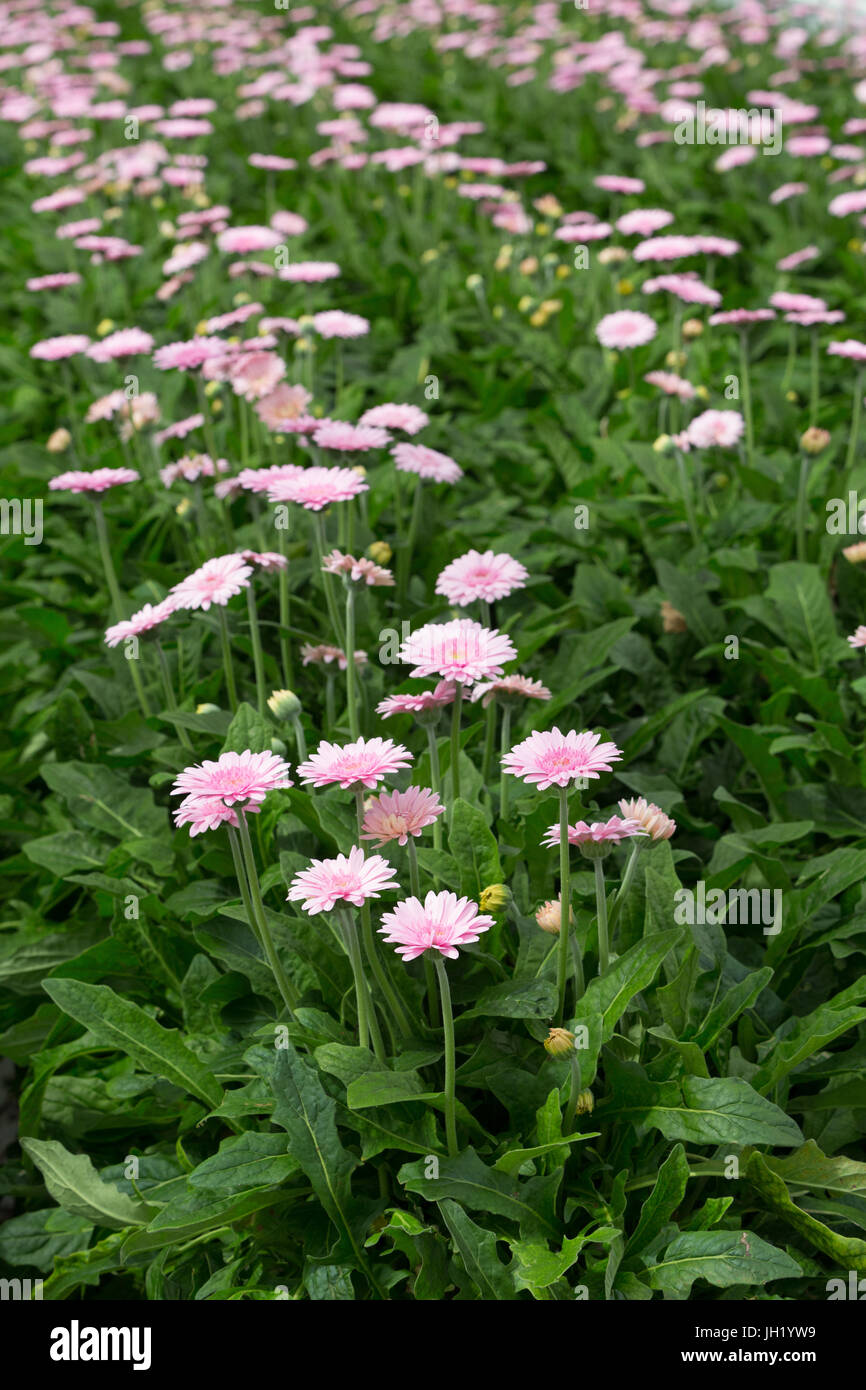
{"points": [[243, 885], [450, 1067], [350, 940], [114, 592], [688, 501], [429, 973], [228, 665], [299, 739], [379, 972], [455, 745], [815, 356], [790, 360], [573, 1095], [351, 675], [289, 994], [283, 590], [407, 551], [854, 436], [565, 908], [330, 707], [601, 909], [747, 399], [616, 906], [489, 740], [330, 600], [503, 775], [577, 963], [170, 701], [258, 654], [802, 508], [436, 781]]}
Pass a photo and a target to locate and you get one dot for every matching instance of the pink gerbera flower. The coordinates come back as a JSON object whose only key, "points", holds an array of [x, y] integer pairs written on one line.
{"points": [[239, 241], [202, 813], [627, 328], [340, 434], [475, 576], [148, 617], [216, 581], [418, 704], [309, 272], [326, 656], [397, 815], [283, 406], [77, 480], [441, 923], [554, 759], [851, 348], [426, 463], [126, 342], [371, 573], [511, 689], [716, 429], [610, 831], [256, 374], [349, 878], [335, 323], [189, 355], [408, 418], [461, 651], [364, 762], [858, 639], [316, 488], [234, 777], [56, 349]]}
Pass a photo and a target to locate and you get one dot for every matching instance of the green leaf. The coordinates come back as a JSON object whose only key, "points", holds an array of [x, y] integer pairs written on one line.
{"points": [[848, 1252], [102, 798], [475, 850], [477, 1249], [76, 1186], [660, 1205], [243, 1162], [248, 730], [471, 1183], [605, 999], [121, 1024], [723, 1258], [36, 1237], [533, 998]]}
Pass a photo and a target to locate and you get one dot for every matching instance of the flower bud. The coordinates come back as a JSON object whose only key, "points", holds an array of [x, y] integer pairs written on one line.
{"points": [[672, 618], [494, 898], [284, 704], [379, 552], [814, 440], [585, 1103], [559, 1042], [549, 917], [207, 709], [59, 441], [692, 328]]}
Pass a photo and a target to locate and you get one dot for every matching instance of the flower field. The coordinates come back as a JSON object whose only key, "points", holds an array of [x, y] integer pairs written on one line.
{"points": [[433, 800]]}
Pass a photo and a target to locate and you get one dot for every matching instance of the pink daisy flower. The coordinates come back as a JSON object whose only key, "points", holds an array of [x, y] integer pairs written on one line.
{"points": [[309, 272], [364, 762], [262, 479], [349, 878], [408, 418], [798, 258], [850, 348], [265, 559], [59, 281], [315, 488], [460, 650], [239, 241], [216, 581], [56, 349], [324, 655], [643, 221], [371, 573], [720, 429], [798, 303], [671, 384], [418, 704], [666, 248], [234, 777], [618, 183], [255, 374], [474, 576], [281, 407], [554, 759], [858, 639], [441, 923], [426, 463], [687, 287], [627, 328], [99, 480], [397, 815], [512, 689], [148, 617], [650, 816], [339, 434], [334, 323], [126, 342], [740, 318], [179, 430], [202, 813], [188, 355], [610, 831]]}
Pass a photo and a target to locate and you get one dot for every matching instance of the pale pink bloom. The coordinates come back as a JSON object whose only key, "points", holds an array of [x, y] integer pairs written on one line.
{"points": [[643, 221], [426, 463], [216, 581], [460, 650], [202, 813], [315, 488], [59, 281], [283, 406], [859, 637], [650, 816], [239, 241], [510, 689], [408, 418], [348, 438], [309, 272], [281, 325], [184, 257], [265, 559], [192, 467], [349, 878], [179, 430], [62, 198], [325, 655], [105, 407], [811, 320], [666, 248], [275, 162], [618, 183], [788, 190], [627, 328], [418, 704], [338, 563], [234, 777], [55, 349], [474, 576], [554, 759], [289, 223], [97, 481], [126, 342], [846, 203], [364, 762], [716, 429], [334, 323], [850, 348], [733, 158], [687, 287], [798, 258], [798, 303], [188, 355], [397, 815], [261, 479], [738, 318], [255, 374], [441, 923], [610, 831], [150, 616], [671, 384], [583, 232]]}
